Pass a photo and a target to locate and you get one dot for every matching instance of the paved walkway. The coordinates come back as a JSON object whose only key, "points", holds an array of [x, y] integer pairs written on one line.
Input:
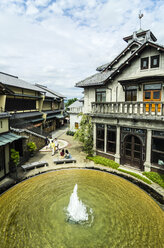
{"points": [[75, 149]]}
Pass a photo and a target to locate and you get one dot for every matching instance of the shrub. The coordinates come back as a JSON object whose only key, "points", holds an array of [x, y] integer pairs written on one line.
{"points": [[71, 133], [136, 175], [155, 177], [31, 146], [104, 161], [15, 157]]}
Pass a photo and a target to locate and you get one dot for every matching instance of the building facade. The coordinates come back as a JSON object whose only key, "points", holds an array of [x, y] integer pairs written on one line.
{"points": [[8, 140], [126, 102], [75, 109]]}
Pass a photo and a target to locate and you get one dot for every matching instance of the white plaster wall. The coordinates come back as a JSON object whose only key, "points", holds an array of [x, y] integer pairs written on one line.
{"points": [[89, 97], [74, 118], [134, 68], [4, 125], [114, 90]]}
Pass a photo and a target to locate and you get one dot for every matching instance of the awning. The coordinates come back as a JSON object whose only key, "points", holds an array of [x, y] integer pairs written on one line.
{"points": [[60, 116], [51, 117], [37, 120], [8, 138]]}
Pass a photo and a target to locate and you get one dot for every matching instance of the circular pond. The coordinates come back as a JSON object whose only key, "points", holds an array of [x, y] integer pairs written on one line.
{"points": [[33, 213]]}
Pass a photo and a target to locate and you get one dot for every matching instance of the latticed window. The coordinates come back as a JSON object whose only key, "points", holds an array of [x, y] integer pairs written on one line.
{"points": [[17, 104]]}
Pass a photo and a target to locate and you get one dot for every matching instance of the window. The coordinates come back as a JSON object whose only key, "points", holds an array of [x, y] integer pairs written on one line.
{"points": [[100, 137], [158, 150], [147, 95], [20, 104], [100, 95], [144, 63], [76, 125], [111, 139], [154, 61], [130, 95]]}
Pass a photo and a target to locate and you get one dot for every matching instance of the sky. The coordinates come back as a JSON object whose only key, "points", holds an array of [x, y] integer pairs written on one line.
{"points": [[58, 43]]}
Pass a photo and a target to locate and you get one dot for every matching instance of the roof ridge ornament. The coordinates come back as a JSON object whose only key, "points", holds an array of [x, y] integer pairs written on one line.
{"points": [[140, 17]]}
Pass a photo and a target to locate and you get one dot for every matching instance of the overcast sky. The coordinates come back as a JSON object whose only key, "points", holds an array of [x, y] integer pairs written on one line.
{"points": [[58, 43]]}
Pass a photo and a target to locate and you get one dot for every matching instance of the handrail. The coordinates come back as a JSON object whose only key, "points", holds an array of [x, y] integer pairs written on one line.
{"points": [[131, 108]]}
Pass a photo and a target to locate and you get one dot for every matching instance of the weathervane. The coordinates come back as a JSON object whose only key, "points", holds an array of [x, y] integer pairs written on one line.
{"points": [[140, 17]]}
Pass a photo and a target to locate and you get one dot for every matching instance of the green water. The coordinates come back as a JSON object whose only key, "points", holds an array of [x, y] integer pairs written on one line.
{"points": [[32, 214]]}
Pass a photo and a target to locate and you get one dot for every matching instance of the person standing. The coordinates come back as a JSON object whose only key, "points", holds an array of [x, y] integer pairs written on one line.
{"points": [[53, 147], [56, 144]]}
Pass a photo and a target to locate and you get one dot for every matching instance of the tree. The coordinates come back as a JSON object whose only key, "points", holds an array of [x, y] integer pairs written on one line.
{"points": [[85, 134], [69, 102]]}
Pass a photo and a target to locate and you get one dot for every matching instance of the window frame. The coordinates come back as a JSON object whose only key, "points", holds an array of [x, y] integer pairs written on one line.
{"points": [[142, 61], [100, 92], [99, 140], [131, 95], [111, 129], [76, 125], [152, 59]]}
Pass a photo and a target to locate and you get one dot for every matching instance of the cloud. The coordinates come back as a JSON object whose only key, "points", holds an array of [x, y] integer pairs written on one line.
{"points": [[61, 42]]}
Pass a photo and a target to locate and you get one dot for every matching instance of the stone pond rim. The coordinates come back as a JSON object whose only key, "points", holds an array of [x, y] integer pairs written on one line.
{"points": [[157, 196]]}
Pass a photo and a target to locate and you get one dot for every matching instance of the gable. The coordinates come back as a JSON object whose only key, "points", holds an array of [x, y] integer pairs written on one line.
{"points": [[142, 51]]}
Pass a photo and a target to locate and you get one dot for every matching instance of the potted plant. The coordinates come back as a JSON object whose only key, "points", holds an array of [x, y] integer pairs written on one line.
{"points": [[31, 146], [15, 158]]}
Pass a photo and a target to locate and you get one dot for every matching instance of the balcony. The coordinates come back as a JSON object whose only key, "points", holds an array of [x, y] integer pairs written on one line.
{"points": [[75, 110], [130, 110]]}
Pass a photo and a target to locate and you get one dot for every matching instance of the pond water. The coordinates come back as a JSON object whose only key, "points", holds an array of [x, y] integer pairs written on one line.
{"points": [[34, 213]]}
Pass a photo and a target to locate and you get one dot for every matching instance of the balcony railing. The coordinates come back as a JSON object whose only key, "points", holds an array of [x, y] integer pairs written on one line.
{"points": [[76, 110], [129, 108]]}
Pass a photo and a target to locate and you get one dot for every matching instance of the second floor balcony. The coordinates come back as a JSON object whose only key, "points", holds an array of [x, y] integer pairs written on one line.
{"points": [[139, 110]]}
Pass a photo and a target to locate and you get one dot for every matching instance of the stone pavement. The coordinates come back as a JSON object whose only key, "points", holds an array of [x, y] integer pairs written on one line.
{"points": [[75, 149]]}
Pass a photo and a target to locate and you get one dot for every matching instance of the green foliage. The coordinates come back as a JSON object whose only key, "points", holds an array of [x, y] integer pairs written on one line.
{"points": [[136, 175], [31, 146], [155, 177], [85, 134], [69, 102], [71, 133], [15, 157], [104, 161]]}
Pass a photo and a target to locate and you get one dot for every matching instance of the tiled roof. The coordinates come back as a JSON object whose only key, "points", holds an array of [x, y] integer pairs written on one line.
{"points": [[26, 115], [4, 115], [96, 79], [101, 77], [10, 80], [49, 91], [76, 104]]}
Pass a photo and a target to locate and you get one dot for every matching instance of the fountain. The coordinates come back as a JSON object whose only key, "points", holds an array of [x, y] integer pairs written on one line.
{"points": [[51, 210], [77, 211]]}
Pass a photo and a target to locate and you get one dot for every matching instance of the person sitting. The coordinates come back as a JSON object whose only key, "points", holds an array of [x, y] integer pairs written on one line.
{"points": [[67, 154], [62, 153]]}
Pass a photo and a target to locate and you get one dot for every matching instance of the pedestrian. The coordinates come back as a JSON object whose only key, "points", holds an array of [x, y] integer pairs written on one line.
{"points": [[67, 154], [52, 145], [56, 144], [46, 142]]}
